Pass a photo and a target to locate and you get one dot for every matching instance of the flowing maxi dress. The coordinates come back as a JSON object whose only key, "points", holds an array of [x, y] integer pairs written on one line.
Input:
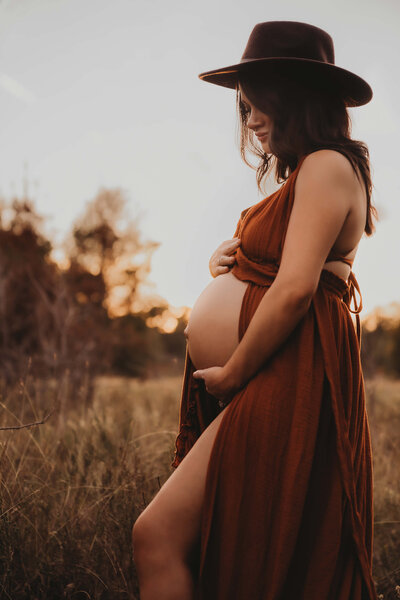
{"points": [[287, 510]]}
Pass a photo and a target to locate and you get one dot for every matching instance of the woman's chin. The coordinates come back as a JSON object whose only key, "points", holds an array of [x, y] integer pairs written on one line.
{"points": [[266, 148]]}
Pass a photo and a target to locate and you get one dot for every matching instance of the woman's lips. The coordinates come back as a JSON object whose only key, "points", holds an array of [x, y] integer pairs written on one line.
{"points": [[262, 137]]}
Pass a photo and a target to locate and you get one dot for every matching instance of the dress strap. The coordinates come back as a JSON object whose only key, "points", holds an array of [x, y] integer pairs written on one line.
{"points": [[333, 255], [350, 295], [348, 261]]}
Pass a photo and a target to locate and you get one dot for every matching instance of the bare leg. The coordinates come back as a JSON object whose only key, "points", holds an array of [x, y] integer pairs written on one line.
{"points": [[166, 535]]}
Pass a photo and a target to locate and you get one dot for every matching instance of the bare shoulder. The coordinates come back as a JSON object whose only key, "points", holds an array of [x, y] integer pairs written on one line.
{"points": [[325, 182], [327, 166]]}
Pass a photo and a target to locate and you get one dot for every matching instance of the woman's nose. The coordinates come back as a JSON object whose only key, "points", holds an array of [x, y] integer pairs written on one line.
{"points": [[254, 121]]}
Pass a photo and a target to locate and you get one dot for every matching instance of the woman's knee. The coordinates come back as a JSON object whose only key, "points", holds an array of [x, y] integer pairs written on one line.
{"points": [[147, 540], [172, 520], [144, 531]]}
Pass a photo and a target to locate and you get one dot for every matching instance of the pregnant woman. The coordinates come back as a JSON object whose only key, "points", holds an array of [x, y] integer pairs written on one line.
{"points": [[271, 497]]}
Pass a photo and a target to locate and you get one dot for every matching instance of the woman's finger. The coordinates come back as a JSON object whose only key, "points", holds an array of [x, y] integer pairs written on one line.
{"points": [[223, 269], [227, 245], [231, 246], [224, 259]]}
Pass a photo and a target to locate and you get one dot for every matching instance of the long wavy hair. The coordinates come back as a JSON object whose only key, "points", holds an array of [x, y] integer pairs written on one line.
{"points": [[304, 117]]}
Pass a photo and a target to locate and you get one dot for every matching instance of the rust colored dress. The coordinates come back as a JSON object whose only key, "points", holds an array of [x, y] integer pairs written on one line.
{"points": [[288, 510]]}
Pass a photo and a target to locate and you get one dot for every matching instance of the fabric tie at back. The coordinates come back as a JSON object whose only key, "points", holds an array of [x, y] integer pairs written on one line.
{"points": [[346, 290]]}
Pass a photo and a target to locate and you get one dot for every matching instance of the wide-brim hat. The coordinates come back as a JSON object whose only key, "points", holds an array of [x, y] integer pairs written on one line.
{"points": [[294, 47]]}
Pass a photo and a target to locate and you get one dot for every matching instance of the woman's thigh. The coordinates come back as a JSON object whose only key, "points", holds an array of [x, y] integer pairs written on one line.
{"points": [[173, 517]]}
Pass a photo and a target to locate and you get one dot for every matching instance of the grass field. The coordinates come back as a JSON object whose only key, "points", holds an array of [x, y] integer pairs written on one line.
{"points": [[72, 488]]}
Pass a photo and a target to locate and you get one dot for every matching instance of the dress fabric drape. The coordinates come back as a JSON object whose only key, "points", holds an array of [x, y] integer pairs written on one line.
{"points": [[288, 509]]}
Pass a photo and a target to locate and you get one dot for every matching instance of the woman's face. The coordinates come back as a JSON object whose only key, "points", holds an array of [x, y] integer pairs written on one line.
{"points": [[258, 121]]}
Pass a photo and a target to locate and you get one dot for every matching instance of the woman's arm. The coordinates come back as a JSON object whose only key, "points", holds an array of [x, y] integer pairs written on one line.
{"points": [[323, 197]]}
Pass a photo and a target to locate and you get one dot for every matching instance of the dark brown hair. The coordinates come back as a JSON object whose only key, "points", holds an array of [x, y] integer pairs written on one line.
{"points": [[304, 117]]}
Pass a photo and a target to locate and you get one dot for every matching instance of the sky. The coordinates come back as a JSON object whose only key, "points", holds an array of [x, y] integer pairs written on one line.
{"points": [[106, 94]]}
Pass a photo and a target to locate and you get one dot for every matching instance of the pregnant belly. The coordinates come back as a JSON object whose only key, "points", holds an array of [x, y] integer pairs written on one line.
{"points": [[213, 329]]}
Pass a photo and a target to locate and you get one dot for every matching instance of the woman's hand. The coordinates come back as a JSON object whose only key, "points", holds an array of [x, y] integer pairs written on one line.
{"points": [[218, 383], [222, 260]]}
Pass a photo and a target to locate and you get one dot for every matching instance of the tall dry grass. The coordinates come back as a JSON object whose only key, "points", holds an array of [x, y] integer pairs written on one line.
{"points": [[72, 488], [383, 403]]}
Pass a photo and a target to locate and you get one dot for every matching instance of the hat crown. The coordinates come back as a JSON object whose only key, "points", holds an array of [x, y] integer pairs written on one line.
{"points": [[289, 39], [292, 47]]}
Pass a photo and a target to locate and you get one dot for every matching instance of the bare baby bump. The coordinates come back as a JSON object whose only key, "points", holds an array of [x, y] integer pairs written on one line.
{"points": [[213, 329]]}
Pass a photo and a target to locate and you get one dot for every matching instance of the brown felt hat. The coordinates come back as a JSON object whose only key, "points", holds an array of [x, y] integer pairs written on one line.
{"points": [[292, 47]]}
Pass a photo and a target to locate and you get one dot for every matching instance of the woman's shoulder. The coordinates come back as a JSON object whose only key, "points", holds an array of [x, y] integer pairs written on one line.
{"points": [[327, 159], [327, 164]]}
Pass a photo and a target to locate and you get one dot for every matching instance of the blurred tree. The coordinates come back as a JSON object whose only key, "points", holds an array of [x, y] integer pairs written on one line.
{"points": [[27, 279], [380, 347], [74, 320], [106, 242]]}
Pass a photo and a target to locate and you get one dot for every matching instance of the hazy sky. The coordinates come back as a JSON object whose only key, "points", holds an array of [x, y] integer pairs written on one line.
{"points": [[97, 93]]}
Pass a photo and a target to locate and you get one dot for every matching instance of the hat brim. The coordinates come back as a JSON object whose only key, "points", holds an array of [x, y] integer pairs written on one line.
{"points": [[353, 88]]}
